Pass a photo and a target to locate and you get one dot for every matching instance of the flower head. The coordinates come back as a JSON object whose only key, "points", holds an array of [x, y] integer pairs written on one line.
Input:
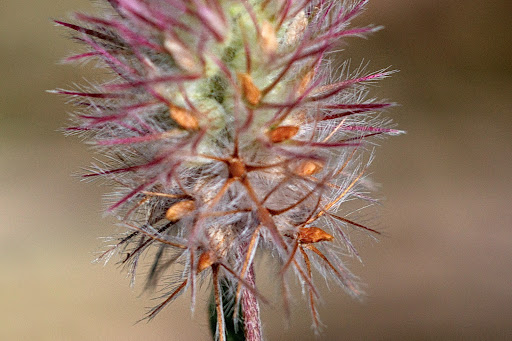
{"points": [[226, 134]]}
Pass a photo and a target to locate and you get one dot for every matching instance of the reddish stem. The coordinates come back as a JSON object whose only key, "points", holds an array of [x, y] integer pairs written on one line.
{"points": [[251, 310]]}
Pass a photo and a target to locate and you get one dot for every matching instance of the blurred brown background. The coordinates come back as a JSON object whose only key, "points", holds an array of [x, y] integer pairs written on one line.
{"points": [[444, 270]]}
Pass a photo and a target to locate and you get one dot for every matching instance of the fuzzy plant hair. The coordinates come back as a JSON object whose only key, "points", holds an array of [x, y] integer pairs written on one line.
{"points": [[226, 136]]}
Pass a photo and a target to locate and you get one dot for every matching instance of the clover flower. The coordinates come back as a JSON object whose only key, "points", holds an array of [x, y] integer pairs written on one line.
{"points": [[225, 134]]}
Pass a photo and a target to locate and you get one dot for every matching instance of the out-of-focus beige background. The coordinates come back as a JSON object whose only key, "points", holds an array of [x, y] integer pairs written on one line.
{"points": [[443, 270]]}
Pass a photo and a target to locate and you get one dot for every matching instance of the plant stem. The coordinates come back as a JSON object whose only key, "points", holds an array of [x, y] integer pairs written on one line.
{"points": [[251, 310]]}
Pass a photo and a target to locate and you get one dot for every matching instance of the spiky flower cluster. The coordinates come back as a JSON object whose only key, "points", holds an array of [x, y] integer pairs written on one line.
{"points": [[226, 134]]}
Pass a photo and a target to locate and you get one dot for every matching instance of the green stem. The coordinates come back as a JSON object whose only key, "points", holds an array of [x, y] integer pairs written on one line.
{"points": [[234, 332], [248, 326]]}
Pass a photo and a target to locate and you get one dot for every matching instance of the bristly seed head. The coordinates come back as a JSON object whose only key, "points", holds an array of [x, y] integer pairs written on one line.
{"points": [[227, 133]]}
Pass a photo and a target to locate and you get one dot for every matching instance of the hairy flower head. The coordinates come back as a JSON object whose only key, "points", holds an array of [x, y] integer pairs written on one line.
{"points": [[225, 133]]}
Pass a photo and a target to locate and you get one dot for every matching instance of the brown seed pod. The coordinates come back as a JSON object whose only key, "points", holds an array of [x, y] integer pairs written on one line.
{"points": [[309, 167], [250, 92], [283, 133], [268, 39], [304, 82], [185, 118], [206, 260], [310, 235], [181, 54], [179, 210]]}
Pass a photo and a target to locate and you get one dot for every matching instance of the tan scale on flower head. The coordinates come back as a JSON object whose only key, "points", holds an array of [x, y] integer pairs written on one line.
{"points": [[227, 136]]}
